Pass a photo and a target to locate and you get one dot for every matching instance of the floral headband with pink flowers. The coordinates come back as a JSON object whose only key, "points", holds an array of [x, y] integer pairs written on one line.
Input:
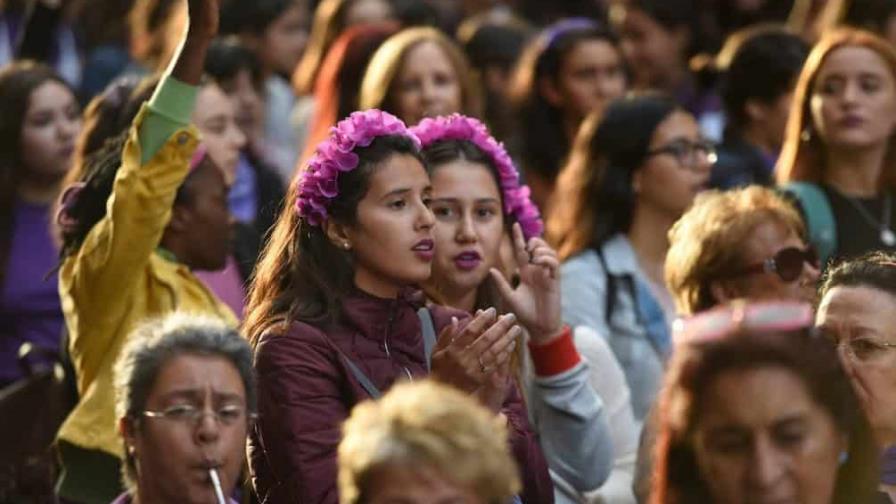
{"points": [[516, 196], [318, 184]]}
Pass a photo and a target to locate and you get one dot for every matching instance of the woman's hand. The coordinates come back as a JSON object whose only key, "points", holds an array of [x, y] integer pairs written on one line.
{"points": [[189, 60], [536, 300], [493, 392], [466, 357]]}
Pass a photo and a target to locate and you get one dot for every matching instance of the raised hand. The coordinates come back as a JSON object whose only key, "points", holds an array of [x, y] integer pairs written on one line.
{"points": [[536, 300], [465, 357], [204, 15]]}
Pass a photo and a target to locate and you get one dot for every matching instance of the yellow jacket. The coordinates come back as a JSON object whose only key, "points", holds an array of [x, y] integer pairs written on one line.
{"points": [[117, 279]]}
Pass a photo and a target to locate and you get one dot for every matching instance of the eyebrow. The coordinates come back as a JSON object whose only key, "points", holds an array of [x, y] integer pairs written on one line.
{"points": [[457, 200], [198, 394]]}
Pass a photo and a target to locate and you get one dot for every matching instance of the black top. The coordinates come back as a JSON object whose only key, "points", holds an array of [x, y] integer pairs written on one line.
{"points": [[856, 235]]}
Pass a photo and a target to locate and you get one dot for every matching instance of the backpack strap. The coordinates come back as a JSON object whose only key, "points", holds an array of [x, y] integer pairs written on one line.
{"points": [[428, 329], [362, 378], [611, 288], [816, 209]]}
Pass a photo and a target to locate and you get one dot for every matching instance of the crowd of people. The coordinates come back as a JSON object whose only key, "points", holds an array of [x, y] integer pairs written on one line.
{"points": [[425, 251]]}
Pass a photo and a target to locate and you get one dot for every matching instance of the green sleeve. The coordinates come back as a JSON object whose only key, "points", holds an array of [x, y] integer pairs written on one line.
{"points": [[170, 109]]}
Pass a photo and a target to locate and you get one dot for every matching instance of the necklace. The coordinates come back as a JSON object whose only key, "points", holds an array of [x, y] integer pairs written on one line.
{"points": [[887, 236]]}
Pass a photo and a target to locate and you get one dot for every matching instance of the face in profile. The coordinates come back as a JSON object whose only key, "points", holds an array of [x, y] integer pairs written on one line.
{"points": [[853, 99], [677, 168], [654, 53], [796, 277], [426, 84], [174, 452], [405, 485], [862, 320], [391, 241], [755, 446], [204, 217], [469, 227]]}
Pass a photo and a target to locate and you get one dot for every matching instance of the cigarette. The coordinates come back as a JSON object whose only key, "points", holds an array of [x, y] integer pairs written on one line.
{"points": [[216, 483]]}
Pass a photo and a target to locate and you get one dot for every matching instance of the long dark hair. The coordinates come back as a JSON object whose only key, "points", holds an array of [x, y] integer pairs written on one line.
{"points": [[542, 137], [598, 199], [97, 158], [813, 359], [17, 81], [301, 275]]}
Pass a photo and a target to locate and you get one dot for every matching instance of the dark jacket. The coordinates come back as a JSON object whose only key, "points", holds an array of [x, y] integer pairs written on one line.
{"points": [[306, 391]]}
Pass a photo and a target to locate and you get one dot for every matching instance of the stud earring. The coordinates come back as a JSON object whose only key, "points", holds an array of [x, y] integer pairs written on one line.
{"points": [[806, 134], [346, 245]]}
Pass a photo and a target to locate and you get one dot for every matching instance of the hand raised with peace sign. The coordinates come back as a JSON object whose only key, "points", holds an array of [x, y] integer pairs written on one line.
{"points": [[536, 300]]}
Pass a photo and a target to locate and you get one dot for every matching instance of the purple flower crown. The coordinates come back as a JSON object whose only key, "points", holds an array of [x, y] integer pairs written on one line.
{"points": [[516, 196], [318, 182]]}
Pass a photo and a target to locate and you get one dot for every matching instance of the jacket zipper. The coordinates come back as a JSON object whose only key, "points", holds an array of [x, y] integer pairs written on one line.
{"points": [[392, 308]]}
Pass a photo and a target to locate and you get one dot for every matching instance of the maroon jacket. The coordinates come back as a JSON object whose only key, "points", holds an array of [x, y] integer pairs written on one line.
{"points": [[306, 391]]}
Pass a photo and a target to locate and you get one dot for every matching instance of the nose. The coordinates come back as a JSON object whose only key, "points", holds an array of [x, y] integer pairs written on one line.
{"points": [[850, 92], [425, 218], [237, 138], [811, 274], [767, 466], [208, 428], [69, 128], [466, 233]]}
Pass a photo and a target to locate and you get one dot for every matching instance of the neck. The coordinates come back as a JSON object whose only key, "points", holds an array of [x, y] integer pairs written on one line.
{"points": [[465, 301], [375, 286], [41, 192], [756, 135], [855, 172], [571, 126], [649, 237]]}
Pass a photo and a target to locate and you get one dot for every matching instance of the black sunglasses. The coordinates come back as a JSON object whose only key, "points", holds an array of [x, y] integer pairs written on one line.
{"points": [[787, 263]]}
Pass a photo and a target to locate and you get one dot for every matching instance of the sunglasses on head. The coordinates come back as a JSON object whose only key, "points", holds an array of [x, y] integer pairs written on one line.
{"points": [[787, 263]]}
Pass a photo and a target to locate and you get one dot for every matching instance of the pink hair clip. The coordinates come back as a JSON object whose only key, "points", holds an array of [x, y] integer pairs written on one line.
{"points": [[318, 182]]}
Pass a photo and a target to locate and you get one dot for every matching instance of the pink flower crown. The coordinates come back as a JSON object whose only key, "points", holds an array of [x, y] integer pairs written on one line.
{"points": [[318, 182], [516, 196]]}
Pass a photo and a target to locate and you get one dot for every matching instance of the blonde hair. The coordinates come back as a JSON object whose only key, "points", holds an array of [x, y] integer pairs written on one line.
{"points": [[706, 243], [328, 23], [428, 426], [802, 160], [386, 62]]}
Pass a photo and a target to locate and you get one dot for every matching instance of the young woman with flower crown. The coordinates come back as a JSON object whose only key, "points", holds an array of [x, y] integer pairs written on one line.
{"points": [[335, 317], [480, 206]]}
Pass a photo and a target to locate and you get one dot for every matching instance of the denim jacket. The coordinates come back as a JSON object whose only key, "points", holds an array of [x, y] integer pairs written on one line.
{"points": [[636, 328]]}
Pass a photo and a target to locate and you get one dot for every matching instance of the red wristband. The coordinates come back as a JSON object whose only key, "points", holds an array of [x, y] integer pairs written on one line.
{"points": [[555, 357]]}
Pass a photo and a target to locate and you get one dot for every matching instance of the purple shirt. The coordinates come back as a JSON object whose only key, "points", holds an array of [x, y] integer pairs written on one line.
{"points": [[29, 305]]}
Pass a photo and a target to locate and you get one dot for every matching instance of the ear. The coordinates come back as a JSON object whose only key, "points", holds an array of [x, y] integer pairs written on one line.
{"points": [[636, 181], [181, 218], [128, 431], [755, 110], [338, 234], [549, 91], [682, 38], [723, 291]]}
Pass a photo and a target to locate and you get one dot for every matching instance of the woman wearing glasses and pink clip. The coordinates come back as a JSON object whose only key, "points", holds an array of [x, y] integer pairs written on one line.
{"points": [[858, 311], [757, 408]]}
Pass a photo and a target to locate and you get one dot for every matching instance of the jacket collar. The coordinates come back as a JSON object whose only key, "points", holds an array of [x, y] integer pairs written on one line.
{"points": [[374, 317]]}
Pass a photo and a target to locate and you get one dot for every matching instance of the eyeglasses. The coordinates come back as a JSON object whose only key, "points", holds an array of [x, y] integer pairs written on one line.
{"points": [[190, 415], [863, 350], [720, 322], [787, 263], [688, 154]]}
